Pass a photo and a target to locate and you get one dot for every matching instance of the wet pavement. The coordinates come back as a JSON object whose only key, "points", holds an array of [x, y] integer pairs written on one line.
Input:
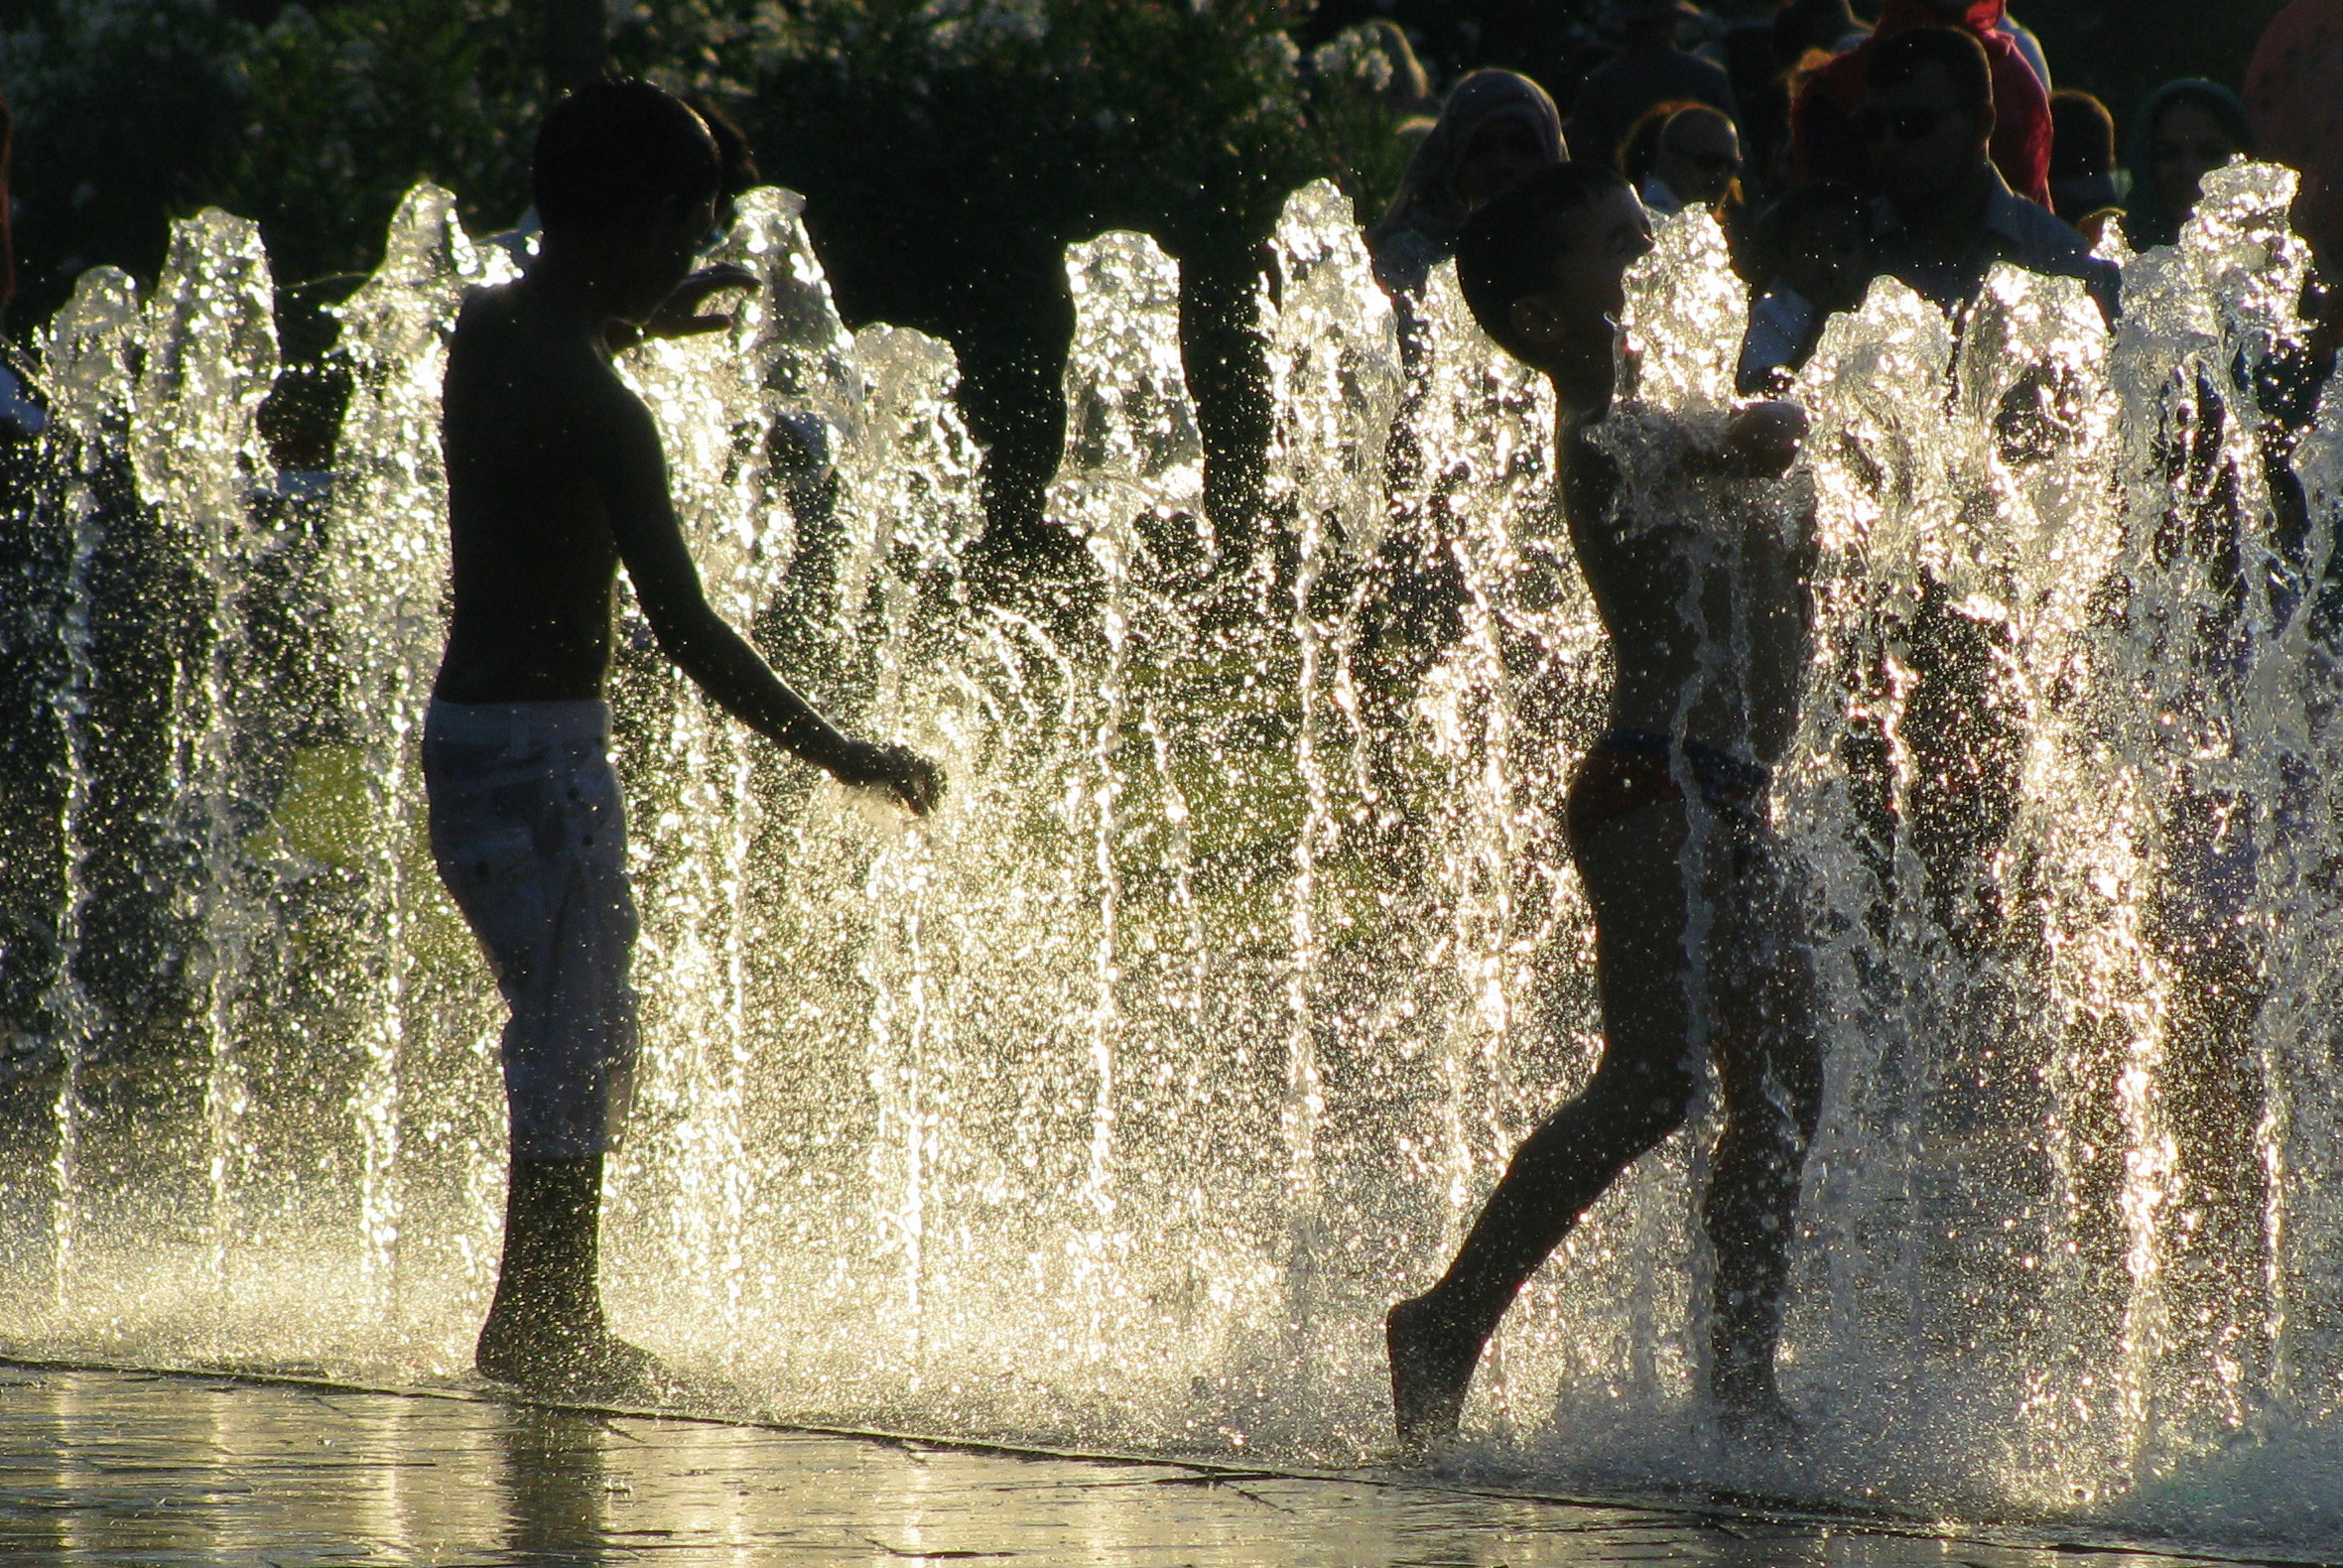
{"points": [[126, 1468]]}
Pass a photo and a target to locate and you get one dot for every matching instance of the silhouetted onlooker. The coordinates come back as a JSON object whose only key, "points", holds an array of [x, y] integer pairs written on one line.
{"points": [[1831, 146], [1944, 213], [2183, 132], [1682, 154], [2295, 90], [1652, 69], [1942, 219], [2084, 190], [1498, 127], [1817, 246]]}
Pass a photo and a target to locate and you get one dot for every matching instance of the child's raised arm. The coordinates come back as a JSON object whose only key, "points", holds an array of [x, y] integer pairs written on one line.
{"points": [[624, 448]]}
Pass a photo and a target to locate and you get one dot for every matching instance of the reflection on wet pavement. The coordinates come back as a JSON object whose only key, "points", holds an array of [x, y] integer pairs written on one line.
{"points": [[118, 1468]]}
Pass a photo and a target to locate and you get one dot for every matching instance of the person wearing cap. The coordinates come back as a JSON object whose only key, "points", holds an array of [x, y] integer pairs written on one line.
{"points": [[1649, 70]]}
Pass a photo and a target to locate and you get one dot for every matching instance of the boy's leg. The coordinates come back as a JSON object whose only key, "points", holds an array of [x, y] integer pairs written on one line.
{"points": [[1638, 1094], [545, 1328], [530, 838], [1770, 1061]]}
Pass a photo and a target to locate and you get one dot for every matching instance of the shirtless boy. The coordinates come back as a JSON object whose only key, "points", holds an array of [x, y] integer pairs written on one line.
{"points": [[555, 480], [1667, 815]]}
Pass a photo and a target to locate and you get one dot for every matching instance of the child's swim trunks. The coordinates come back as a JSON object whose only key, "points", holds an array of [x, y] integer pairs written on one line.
{"points": [[1629, 769], [530, 837]]}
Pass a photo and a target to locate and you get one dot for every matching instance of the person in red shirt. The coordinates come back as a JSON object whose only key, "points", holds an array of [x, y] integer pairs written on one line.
{"points": [[2292, 92], [1830, 147]]}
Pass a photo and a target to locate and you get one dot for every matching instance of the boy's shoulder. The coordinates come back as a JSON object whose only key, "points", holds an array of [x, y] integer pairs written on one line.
{"points": [[505, 348]]}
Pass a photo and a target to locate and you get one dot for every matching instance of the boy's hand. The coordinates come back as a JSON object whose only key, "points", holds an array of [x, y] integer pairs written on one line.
{"points": [[896, 770], [1763, 439], [680, 315]]}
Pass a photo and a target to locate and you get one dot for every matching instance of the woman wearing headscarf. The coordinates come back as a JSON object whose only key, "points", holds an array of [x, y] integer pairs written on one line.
{"points": [[1498, 127], [2183, 131], [1829, 147]]}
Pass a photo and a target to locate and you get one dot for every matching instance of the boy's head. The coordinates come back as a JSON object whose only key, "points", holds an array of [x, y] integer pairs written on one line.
{"points": [[1928, 115], [1544, 266], [1821, 244], [630, 175]]}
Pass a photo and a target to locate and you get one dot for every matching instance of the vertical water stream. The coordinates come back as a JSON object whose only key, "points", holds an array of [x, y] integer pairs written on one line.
{"points": [[1115, 1103]]}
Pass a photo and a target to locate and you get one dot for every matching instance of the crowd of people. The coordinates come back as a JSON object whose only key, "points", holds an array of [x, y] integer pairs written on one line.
{"points": [[1835, 151]]}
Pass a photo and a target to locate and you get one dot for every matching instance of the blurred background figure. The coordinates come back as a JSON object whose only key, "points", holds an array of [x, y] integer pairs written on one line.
{"points": [[2028, 46], [1803, 37], [1408, 95], [1745, 48], [2085, 188], [2295, 89], [1816, 248], [1827, 25], [1498, 127], [1831, 147], [1683, 155], [1652, 69], [1944, 214], [2183, 132]]}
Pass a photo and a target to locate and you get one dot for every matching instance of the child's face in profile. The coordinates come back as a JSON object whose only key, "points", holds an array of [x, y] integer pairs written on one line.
{"points": [[1572, 322], [665, 246], [1829, 258]]}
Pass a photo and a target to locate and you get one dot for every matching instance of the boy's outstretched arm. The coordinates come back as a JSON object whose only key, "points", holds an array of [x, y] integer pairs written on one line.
{"points": [[704, 646]]}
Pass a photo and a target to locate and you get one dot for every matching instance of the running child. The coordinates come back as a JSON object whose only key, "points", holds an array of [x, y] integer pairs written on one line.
{"points": [[1667, 817]]}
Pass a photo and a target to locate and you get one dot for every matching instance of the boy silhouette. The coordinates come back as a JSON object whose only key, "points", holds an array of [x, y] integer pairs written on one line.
{"points": [[555, 480], [1708, 624]]}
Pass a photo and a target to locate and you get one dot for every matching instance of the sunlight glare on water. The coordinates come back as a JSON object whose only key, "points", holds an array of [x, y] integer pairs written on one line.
{"points": [[1112, 1105]]}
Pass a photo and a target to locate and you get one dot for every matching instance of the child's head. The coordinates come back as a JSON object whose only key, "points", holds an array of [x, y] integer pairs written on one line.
{"points": [[2082, 136], [628, 175], [1821, 244], [1544, 266]]}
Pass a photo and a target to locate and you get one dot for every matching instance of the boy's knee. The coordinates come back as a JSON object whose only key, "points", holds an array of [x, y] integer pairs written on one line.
{"points": [[1644, 1107]]}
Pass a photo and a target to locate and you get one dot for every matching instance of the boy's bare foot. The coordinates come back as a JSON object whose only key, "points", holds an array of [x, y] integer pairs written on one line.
{"points": [[563, 1362], [1432, 1362]]}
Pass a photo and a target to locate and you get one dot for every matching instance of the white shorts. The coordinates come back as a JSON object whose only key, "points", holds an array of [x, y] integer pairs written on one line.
{"points": [[530, 835]]}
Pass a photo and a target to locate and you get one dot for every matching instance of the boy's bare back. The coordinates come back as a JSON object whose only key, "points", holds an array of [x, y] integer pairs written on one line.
{"points": [[556, 479], [549, 457]]}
